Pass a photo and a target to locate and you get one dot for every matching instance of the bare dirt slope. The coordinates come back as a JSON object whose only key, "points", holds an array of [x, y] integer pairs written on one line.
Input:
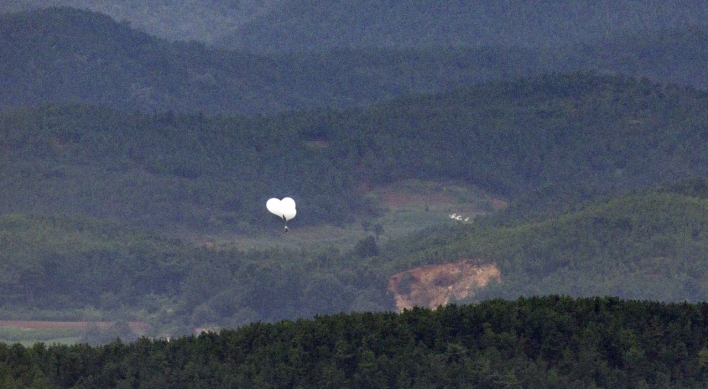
{"points": [[435, 285]]}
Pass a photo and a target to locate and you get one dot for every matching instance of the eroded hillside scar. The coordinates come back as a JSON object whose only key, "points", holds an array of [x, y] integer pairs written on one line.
{"points": [[435, 285]]}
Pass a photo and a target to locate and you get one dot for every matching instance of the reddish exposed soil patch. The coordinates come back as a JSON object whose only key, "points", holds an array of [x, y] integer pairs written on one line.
{"points": [[392, 199], [436, 285], [498, 204], [135, 326]]}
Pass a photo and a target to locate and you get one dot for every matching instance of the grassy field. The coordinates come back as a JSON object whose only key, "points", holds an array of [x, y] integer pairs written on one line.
{"points": [[29, 332], [28, 337], [406, 207]]}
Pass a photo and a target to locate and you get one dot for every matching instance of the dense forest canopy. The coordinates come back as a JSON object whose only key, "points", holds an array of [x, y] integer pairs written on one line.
{"points": [[548, 342], [565, 135]]}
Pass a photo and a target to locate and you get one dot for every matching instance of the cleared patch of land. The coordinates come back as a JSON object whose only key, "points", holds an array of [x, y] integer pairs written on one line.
{"points": [[29, 332], [404, 207], [30, 325], [435, 285]]}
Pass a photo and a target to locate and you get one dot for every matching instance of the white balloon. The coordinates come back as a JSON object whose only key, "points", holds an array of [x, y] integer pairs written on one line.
{"points": [[273, 206], [284, 209], [288, 203], [289, 213]]}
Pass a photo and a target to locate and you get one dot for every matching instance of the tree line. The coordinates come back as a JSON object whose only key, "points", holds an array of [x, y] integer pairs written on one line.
{"points": [[535, 342]]}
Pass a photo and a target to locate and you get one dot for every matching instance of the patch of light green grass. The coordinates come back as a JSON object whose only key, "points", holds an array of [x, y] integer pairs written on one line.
{"points": [[11, 335]]}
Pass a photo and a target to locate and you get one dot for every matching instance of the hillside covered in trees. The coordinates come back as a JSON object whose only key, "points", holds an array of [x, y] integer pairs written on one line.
{"points": [[638, 246], [298, 25], [648, 245], [120, 153], [579, 155], [73, 56], [64, 55], [563, 137], [548, 342], [294, 25]]}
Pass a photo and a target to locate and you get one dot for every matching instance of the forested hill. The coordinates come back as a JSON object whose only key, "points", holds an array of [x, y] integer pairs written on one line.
{"points": [[299, 25], [670, 55], [557, 129], [168, 19], [544, 342], [293, 25], [585, 133], [650, 245], [61, 55], [68, 55]]}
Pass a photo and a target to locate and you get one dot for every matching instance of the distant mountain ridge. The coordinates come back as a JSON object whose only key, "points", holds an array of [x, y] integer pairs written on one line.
{"points": [[69, 55], [300, 25], [168, 19], [296, 25], [61, 55]]}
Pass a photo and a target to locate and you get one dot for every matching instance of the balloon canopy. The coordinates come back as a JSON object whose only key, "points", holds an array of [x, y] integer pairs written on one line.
{"points": [[284, 209]]}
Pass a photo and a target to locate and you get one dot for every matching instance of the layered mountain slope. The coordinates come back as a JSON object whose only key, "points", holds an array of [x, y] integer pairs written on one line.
{"points": [[301, 25], [651, 245], [294, 25], [169, 19], [584, 134], [66, 55], [642, 246]]}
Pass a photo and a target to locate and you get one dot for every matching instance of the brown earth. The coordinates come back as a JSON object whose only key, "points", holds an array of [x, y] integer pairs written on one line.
{"points": [[435, 285], [422, 195], [29, 325], [498, 204], [392, 199]]}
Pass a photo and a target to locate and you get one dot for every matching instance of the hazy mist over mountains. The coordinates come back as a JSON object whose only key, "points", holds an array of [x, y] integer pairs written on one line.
{"points": [[175, 20], [303, 25], [298, 25]]}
